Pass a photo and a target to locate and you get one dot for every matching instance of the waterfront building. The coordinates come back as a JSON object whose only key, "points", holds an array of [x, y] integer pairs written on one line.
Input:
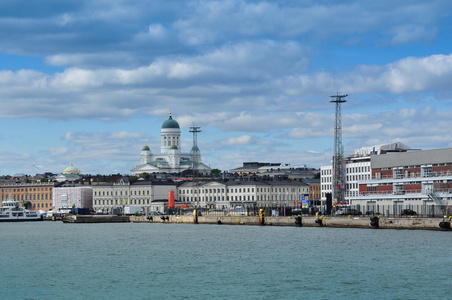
{"points": [[357, 169], [314, 190], [136, 193], [250, 193], [396, 177], [68, 196], [152, 195], [420, 179], [171, 159], [32, 195]]}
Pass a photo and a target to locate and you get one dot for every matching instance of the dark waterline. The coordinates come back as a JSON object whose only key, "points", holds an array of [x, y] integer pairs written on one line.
{"points": [[49, 260]]}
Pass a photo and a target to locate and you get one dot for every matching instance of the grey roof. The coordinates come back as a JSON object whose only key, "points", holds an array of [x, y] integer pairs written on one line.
{"points": [[424, 157]]}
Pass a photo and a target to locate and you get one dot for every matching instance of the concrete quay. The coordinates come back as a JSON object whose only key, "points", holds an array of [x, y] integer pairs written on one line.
{"points": [[95, 219], [310, 221]]}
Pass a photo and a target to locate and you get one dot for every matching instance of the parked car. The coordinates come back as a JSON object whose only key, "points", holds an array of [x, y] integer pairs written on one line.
{"points": [[340, 211], [353, 212], [372, 212], [408, 212]]}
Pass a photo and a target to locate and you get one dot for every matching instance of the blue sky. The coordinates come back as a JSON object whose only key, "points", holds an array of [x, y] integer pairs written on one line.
{"points": [[90, 83]]}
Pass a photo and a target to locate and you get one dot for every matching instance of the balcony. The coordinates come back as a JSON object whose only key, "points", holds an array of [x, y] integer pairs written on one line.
{"points": [[402, 194], [412, 175]]}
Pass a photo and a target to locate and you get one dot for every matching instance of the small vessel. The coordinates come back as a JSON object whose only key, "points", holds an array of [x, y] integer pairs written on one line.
{"points": [[11, 211]]}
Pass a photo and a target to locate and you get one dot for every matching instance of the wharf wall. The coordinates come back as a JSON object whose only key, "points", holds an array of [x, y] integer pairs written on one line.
{"points": [[311, 221], [95, 219]]}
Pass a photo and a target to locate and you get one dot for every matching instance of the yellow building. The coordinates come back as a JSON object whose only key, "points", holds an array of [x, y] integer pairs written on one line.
{"points": [[34, 196]]}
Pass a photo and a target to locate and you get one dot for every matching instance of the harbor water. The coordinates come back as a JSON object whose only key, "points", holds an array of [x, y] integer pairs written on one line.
{"points": [[53, 260]]}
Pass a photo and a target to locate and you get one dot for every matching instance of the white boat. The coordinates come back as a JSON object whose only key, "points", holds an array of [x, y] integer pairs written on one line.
{"points": [[11, 211]]}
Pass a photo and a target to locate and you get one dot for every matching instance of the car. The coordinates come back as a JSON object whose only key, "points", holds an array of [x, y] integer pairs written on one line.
{"points": [[340, 211], [408, 212], [352, 211], [372, 212]]}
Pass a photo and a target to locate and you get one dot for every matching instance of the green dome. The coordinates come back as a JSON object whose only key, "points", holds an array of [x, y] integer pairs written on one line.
{"points": [[146, 148], [170, 123], [71, 170], [195, 148], [173, 147]]}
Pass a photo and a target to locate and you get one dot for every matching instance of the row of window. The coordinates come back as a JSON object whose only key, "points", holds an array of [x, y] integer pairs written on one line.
{"points": [[264, 197], [358, 169], [34, 189], [115, 193], [118, 202], [238, 190], [25, 197]]}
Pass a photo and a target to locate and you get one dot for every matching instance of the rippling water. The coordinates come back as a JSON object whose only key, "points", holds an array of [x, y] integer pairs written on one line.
{"points": [[49, 260]]}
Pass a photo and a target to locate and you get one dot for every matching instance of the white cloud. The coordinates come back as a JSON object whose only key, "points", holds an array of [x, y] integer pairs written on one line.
{"points": [[241, 140], [157, 31], [258, 74]]}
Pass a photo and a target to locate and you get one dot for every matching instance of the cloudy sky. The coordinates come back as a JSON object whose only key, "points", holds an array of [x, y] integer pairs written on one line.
{"points": [[90, 82]]}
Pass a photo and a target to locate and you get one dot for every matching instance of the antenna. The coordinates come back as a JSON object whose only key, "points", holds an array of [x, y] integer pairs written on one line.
{"points": [[338, 156], [195, 129], [195, 157]]}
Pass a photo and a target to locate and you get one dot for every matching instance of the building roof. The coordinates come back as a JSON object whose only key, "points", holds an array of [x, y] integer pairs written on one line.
{"points": [[423, 157], [170, 123], [71, 170], [382, 149]]}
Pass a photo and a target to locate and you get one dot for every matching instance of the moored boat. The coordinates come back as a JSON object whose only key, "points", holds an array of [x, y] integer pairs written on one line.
{"points": [[11, 211]]}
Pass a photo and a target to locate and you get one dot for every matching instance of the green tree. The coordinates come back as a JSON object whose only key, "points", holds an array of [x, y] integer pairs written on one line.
{"points": [[215, 171]]}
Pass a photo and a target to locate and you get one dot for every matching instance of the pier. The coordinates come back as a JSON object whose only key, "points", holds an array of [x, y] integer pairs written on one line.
{"points": [[311, 221]]}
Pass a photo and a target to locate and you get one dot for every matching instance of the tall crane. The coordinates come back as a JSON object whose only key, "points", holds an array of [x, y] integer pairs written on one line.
{"points": [[339, 183]]}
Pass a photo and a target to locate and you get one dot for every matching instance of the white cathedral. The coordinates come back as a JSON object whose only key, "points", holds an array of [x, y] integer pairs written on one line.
{"points": [[170, 159]]}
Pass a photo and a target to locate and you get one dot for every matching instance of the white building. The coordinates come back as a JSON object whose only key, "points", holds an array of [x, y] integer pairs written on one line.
{"points": [[221, 195], [357, 168], [140, 193], [171, 159], [418, 180]]}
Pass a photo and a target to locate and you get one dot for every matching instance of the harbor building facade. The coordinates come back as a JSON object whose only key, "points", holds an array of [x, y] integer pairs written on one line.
{"points": [[419, 179], [32, 195], [252, 193], [171, 159], [357, 168], [122, 193], [396, 177], [68, 196]]}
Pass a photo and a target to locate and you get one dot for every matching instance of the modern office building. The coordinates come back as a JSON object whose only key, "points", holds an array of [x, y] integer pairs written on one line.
{"points": [[395, 177], [419, 179]]}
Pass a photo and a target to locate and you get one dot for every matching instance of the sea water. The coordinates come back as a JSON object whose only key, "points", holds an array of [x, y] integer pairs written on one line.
{"points": [[53, 260]]}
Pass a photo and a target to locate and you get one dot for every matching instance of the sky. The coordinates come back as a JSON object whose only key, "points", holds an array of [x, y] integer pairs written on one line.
{"points": [[89, 83]]}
